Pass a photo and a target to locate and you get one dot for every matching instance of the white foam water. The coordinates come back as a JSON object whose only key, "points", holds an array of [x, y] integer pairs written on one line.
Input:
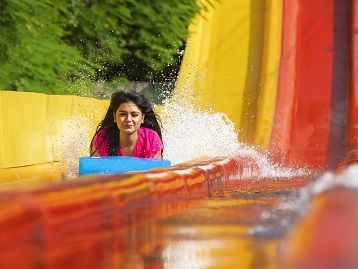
{"points": [[72, 141], [190, 133]]}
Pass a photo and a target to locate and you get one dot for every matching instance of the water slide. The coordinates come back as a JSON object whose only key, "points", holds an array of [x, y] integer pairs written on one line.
{"points": [[285, 73]]}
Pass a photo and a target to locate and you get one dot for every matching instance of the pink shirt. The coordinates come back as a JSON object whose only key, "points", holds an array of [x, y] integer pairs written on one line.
{"points": [[147, 146]]}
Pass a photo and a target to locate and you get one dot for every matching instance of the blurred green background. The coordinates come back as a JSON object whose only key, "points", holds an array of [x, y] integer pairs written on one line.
{"points": [[93, 47]]}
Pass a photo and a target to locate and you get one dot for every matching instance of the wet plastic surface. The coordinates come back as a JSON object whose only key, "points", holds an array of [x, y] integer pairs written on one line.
{"points": [[238, 229]]}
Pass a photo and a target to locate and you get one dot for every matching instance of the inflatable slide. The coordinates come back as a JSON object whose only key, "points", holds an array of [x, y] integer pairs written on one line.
{"points": [[285, 73]]}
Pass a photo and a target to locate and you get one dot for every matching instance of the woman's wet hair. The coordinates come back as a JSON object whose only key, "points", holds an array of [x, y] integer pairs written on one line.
{"points": [[151, 120]]}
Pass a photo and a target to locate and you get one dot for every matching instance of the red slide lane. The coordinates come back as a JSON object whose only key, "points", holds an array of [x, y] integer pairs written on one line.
{"points": [[310, 131], [301, 127]]}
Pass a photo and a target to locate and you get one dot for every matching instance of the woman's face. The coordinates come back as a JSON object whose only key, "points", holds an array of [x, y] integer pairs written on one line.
{"points": [[128, 117]]}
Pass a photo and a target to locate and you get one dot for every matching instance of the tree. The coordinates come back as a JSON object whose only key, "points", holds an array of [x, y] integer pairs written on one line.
{"points": [[51, 45]]}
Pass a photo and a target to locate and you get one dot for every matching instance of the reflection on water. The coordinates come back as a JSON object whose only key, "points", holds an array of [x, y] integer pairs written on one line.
{"points": [[241, 229]]}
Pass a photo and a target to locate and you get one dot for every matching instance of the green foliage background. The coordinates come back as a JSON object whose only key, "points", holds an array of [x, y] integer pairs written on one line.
{"points": [[63, 46]]}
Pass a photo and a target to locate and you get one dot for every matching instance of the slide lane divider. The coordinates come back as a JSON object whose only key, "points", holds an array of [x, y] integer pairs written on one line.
{"points": [[284, 109], [352, 155], [83, 223]]}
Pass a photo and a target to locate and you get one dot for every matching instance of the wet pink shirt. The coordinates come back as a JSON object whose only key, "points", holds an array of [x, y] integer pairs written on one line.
{"points": [[147, 146]]}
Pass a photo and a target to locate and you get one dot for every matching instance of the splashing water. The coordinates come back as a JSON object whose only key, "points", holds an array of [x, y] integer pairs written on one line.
{"points": [[189, 134], [72, 142]]}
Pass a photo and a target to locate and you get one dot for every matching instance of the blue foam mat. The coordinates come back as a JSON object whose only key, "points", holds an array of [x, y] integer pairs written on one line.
{"points": [[118, 164]]}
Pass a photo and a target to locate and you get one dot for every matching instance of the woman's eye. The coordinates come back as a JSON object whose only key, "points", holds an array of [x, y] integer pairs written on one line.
{"points": [[134, 115], [122, 114]]}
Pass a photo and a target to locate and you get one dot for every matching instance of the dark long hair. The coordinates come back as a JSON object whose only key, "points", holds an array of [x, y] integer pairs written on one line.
{"points": [[151, 120]]}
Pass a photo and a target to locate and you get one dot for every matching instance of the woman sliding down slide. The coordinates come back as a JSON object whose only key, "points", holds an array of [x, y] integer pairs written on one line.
{"points": [[129, 128]]}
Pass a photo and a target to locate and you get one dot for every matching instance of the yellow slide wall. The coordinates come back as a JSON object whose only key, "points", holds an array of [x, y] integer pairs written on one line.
{"points": [[269, 75], [231, 62], [205, 70], [30, 124]]}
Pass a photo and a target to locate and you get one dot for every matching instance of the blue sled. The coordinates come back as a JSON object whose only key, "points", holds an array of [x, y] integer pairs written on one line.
{"points": [[118, 164]]}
